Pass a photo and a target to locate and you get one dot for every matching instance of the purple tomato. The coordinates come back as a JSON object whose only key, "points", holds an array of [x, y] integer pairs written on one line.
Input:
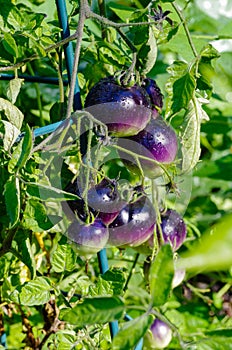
{"points": [[88, 239], [159, 335], [154, 93], [125, 110], [104, 200], [158, 141], [134, 223]]}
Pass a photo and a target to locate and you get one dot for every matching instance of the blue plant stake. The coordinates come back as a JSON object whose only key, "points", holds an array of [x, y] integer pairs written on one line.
{"points": [[68, 50]]}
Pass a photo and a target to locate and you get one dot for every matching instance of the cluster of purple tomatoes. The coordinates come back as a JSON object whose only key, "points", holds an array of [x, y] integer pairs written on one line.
{"points": [[132, 116]]}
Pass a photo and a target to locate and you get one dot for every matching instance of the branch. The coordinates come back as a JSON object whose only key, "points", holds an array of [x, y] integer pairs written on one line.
{"points": [[183, 21]]}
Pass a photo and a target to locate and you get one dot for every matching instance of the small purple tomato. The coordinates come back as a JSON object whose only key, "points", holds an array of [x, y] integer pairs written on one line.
{"points": [[125, 110], [158, 141], [88, 239], [161, 335], [134, 223], [173, 228], [104, 200], [154, 93]]}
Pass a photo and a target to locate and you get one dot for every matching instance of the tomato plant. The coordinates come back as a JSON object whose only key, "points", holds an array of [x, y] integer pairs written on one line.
{"points": [[127, 152]]}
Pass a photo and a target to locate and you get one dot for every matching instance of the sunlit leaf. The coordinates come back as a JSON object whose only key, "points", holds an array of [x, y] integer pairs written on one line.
{"points": [[21, 152], [10, 135], [213, 251], [161, 275], [12, 113], [14, 89], [35, 217], [95, 310], [35, 292], [12, 199], [10, 44], [190, 135], [180, 87], [131, 333], [148, 52], [63, 258]]}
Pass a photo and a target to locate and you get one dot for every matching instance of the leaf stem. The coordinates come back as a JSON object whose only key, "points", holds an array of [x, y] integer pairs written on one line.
{"points": [[79, 33], [188, 35], [145, 158], [131, 271]]}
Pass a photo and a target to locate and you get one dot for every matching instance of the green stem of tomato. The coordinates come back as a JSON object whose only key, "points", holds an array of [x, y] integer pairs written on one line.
{"points": [[131, 271], [38, 97], [145, 158], [79, 33], [183, 21], [102, 10]]}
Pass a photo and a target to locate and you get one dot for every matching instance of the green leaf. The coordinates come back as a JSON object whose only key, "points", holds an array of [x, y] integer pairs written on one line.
{"points": [[22, 152], [110, 283], [95, 310], [148, 52], [180, 87], [10, 135], [48, 193], [161, 275], [123, 12], [132, 332], [63, 258], [36, 218], [220, 169], [14, 17], [25, 249], [10, 44], [213, 343], [66, 339], [12, 199], [190, 135], [13, 114], [14, 89], [208, 53], [206, 71], [35, 292], [213, 251]]}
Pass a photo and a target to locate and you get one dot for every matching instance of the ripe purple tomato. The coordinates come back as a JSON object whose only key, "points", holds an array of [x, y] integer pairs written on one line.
{"points": [[88, 239], [104, 200], [125, 110], [158, 141], [134, 224], [173, 228], [154, 93]]}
